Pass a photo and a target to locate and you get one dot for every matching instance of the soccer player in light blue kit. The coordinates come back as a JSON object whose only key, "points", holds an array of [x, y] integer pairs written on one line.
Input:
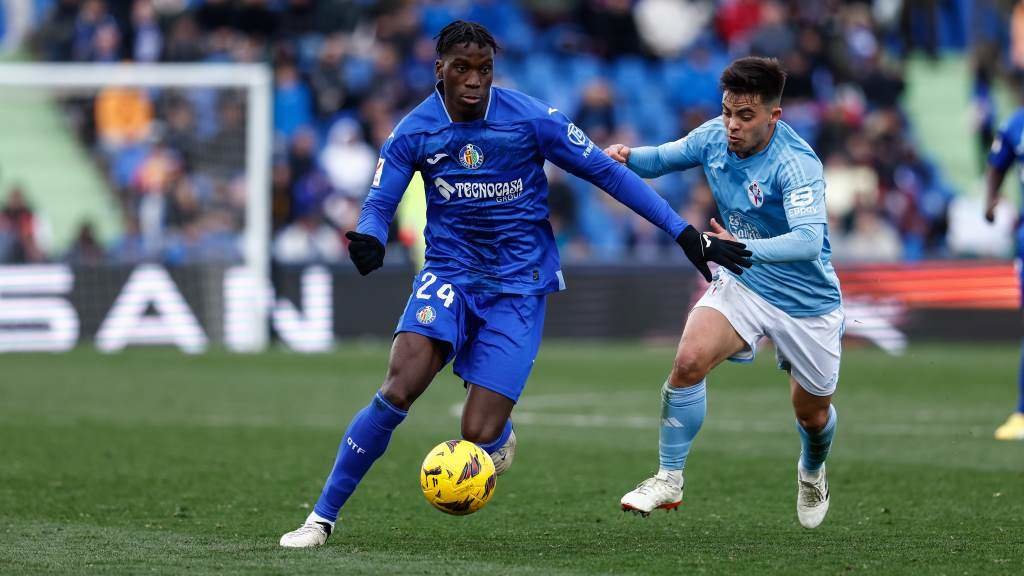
{"points": [[769, 188], [491, 257], [1007, 148]]}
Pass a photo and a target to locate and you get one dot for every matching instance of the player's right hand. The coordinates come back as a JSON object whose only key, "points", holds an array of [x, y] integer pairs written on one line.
{"points": [[618, 152], [701, 248], [990, 210], [366, 252]]}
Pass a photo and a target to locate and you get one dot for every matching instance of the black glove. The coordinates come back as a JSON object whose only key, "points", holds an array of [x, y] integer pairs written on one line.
{"points": [[701, 249], [366, 252]]}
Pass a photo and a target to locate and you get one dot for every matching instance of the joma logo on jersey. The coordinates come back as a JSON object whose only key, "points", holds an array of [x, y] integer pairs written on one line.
{"points": [[499, 191], [471, 157], [755, 194]]}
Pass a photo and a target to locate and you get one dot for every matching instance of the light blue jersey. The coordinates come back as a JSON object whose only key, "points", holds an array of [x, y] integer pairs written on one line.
{"points": [[766, 195]]}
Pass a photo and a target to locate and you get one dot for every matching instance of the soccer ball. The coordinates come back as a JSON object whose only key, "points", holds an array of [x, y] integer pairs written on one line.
{"points": [[457, 477]]}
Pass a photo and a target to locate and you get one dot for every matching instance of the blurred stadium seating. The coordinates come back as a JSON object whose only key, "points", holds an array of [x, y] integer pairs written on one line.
{"points": [[345, 72]]}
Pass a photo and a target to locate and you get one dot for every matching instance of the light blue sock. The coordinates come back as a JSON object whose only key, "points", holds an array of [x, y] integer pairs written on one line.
{"points": [[492, 446], [682, 414], [815, 445], [365, 440]]}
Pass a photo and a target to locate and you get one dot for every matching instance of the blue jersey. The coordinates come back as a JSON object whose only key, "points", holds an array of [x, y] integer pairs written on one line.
{"points": [[1008, 145], [764, 196], [487, 195]]}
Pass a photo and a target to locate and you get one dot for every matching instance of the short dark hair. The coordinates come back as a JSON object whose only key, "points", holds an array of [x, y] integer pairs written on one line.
{"points": [[754, 75], [461, 32]]}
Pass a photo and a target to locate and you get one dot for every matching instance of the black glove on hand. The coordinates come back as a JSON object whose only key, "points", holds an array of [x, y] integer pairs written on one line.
{"points": [[366, 252], [701, 249]]}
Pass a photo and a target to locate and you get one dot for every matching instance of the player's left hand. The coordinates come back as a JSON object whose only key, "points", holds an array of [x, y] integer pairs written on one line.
{"points": [[702, 248]]}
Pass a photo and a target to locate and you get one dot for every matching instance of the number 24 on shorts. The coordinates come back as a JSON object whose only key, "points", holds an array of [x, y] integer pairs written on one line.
{"points": [[445, 292]]}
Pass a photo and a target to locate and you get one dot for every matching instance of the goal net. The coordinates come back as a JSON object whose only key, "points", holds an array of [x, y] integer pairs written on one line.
{"points": [[135, 206]]}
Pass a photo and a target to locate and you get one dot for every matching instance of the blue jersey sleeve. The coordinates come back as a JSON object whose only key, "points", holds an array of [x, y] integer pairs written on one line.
{"points": [[683, 154], [395, 168], [565, 145], [803, 190], [1004, 147]]}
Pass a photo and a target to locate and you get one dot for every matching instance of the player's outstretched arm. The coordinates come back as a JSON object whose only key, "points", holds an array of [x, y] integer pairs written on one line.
{"points": [[993, 183], [1000, 158], [801, 244], [394, 170], [651, 161], [564, 144], [569, 148]]}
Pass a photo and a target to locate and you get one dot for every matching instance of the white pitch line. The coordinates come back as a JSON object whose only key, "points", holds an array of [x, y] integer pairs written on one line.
{"points": [[638, 422]]}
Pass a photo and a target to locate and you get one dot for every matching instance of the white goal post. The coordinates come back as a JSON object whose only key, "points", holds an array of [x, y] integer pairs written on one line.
{"points": [[254, 79]]}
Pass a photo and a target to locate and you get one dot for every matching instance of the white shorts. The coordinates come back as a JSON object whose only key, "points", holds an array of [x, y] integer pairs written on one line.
{"points": [[808, 348]]}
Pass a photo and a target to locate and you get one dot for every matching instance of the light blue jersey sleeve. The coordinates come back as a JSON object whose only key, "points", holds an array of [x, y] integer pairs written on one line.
{"points": [[802, 244], [803, 189], [685, 153]]}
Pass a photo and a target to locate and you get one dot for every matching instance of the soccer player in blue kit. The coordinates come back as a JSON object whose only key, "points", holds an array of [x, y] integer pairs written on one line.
{"points": [[491, 257], [768, 185], [1007, 148]]}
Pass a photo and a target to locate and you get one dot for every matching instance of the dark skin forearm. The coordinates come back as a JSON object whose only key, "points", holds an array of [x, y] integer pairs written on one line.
{"points": [[993, 182]]}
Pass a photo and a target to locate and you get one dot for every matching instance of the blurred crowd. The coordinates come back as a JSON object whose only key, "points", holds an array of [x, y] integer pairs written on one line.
{"points": [[345, 71]]}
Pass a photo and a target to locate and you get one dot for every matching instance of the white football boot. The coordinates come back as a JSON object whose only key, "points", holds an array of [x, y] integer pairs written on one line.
{"points": [[314, 532], [660, 491], [811, 496], [503, 456], [1013, 428]]}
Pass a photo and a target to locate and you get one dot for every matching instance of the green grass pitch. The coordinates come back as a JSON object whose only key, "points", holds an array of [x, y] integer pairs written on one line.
{"points": [[155, 462]]}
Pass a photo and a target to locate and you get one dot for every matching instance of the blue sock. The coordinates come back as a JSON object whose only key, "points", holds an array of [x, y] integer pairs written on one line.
{"points": [[365, 440], [682, 414], [1020, 384], [815, 445], [498, 442]]}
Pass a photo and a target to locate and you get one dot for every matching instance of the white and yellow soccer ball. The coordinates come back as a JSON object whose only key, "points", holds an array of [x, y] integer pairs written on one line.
{"points": [[457, 477]]}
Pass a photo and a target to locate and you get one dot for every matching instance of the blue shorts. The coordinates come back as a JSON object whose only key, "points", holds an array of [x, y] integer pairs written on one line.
{"points": [[494, 338]]}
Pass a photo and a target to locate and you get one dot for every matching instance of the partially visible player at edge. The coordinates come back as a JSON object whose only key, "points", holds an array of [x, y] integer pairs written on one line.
{"points": [[1008, 147], [768, 185], [491, 256]]}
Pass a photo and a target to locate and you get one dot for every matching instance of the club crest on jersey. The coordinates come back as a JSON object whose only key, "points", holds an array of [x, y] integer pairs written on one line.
{"points": [[755, 194], [471, 157], [426, 315]]}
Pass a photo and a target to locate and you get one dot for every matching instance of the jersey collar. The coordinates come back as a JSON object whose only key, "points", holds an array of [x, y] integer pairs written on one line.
{"points": [[439, 97]]}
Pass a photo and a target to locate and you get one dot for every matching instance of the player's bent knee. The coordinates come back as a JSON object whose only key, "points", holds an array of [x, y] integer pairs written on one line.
{"points": [[813, 421], [688, 369], [480, 431], [398, 394]]}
